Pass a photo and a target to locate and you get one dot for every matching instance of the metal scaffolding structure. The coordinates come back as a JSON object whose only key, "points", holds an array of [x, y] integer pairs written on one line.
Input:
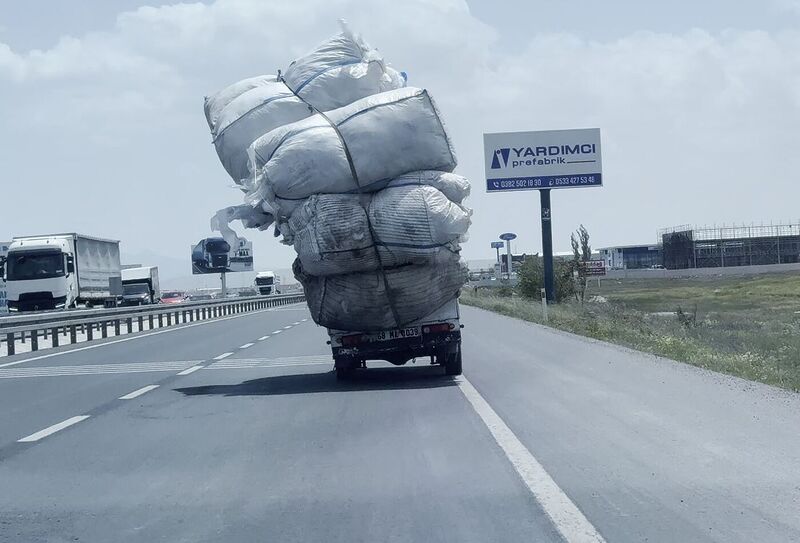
{"points": [[724, 246]]}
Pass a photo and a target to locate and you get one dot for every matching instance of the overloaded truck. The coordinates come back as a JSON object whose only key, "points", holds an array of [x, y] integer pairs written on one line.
{"points": [[377, 232], [60, 271], [140, 286]]}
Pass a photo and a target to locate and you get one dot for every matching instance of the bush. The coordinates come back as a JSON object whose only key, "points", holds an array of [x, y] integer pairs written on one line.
{"points": [[505, 291], [531, 279]]}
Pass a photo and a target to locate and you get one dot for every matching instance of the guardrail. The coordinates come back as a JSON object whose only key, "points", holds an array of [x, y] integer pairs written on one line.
{"points": [[89, 322]]}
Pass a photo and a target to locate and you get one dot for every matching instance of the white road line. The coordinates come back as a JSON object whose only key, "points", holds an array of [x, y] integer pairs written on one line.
{"points": [[223, 355], [193, 369], [137, 393], [303, 320], [262, 338], [277, 332], [246, 345], [53, 429], [94, 369], [139, 336], [287, 327], [251, 366], [573, 526], [295, 323]]}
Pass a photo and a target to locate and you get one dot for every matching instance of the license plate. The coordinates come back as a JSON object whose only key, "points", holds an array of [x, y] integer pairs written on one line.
{"points": [[386, 335]]}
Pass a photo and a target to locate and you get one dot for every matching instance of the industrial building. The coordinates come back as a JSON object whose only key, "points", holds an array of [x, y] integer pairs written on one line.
{"points": [[631, 257], [684, 247], [718, 247]]}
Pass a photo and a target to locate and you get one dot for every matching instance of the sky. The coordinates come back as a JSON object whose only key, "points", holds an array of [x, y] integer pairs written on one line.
{"points": [[698, 104]]}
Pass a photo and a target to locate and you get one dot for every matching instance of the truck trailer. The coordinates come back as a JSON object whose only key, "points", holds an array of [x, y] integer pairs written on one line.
{"points": [[60, 271], [140, 286]]}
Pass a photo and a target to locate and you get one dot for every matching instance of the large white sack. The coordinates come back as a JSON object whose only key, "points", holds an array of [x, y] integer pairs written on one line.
{"points": [[338, 72], [388, 135], [249, 116], [359, 301], [215, 103], [455, 187], [410, 224]]}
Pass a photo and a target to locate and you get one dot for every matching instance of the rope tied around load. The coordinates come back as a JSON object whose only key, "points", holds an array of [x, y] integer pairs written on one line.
{"points": [[361, 191]]}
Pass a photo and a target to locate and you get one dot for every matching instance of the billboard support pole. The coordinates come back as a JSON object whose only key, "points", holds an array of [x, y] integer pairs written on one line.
{"points": [[547, 245], [508, 259], [222, 280]]}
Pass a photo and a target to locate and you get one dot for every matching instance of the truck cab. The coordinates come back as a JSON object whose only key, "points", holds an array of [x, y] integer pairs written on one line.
{"points": [[59, 271], [40, 274], [267, 283], [140, 286]]}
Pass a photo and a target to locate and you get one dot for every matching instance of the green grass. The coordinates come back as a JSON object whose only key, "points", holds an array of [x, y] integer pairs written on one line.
{"points": [[745, 326]]}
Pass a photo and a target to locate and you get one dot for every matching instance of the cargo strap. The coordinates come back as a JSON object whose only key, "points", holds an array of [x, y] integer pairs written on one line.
{"points": [[354, 174]]}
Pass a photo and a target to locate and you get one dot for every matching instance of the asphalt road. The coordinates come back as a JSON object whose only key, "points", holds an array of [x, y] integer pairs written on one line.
{"points": [[236, 430]]}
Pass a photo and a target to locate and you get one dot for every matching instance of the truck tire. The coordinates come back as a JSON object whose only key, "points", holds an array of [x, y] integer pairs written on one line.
{"points": [[452, 364], [345, 368], [343, 374]]}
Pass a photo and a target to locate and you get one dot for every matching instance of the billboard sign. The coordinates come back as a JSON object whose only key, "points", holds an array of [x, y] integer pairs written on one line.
{"points": [[3, 252], [595, 268], [215, 255], [551, 159]]}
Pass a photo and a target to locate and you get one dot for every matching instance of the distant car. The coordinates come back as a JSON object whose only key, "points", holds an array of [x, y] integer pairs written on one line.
{"points": [[657, 267], [200, 297], [173, 297]]}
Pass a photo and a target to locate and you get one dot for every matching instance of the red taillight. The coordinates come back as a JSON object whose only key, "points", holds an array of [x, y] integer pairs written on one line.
{"points": [[350, 341], [437, 328]]}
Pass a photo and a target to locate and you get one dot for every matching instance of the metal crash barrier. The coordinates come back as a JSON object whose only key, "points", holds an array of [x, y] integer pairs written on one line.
{"points": [[90, 324]]}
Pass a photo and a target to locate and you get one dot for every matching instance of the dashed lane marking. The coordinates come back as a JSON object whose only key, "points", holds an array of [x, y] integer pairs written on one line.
{"points": [[247, 345], [262, 338], [276, 332], [148, 333], [41, 434], [95, 369], [139, 392], [193, 369], [244, 363], [287, 327]]}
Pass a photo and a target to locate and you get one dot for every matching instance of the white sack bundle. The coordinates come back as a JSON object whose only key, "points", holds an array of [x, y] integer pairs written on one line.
{"points": [[359, 301], [411, 224], [388, 135], [455, 187], [338, 72]]}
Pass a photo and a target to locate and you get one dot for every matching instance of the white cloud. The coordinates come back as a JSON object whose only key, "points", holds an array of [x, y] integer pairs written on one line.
{"points": [[697, 126]]}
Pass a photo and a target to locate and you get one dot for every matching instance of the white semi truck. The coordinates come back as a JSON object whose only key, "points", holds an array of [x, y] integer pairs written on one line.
{"points": [[140, 286], [60, 271], [268, 283]]}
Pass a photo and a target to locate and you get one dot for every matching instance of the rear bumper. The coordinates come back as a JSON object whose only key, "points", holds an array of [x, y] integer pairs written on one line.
{"points": [[399, 351]]}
